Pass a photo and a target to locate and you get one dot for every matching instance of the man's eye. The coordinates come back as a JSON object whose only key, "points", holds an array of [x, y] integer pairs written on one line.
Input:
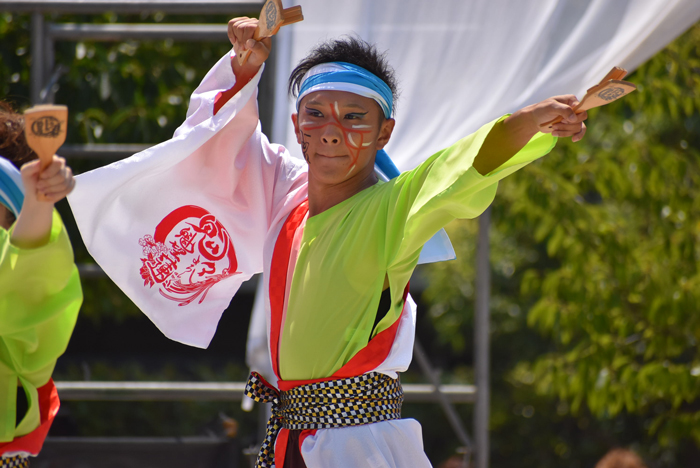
{"points": [[353, 116], [313, 113]]}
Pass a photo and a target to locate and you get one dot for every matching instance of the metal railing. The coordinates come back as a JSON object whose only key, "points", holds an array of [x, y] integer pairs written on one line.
{"points": [[225, 391], [139, 32], [101, 152]]}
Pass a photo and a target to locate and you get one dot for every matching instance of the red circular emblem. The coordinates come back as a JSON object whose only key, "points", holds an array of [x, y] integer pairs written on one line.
{"points": [[189, 253]]}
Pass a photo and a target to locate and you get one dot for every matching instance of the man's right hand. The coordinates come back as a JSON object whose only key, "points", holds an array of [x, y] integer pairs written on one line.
{"points": [[240, 33]]}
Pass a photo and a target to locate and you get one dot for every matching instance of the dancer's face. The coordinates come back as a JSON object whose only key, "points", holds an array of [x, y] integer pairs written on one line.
{"points": [[340, 134]]}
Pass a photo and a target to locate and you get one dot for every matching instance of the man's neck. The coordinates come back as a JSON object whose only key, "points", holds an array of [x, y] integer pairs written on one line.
{"points": [[323, 196], [6, 218]]}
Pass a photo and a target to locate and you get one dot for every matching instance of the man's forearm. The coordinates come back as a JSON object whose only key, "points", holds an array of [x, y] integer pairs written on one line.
{"points": [[504, 141], [243, 73]]}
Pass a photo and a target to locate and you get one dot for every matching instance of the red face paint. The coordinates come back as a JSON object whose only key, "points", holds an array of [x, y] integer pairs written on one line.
{"points": [[353, 149]]}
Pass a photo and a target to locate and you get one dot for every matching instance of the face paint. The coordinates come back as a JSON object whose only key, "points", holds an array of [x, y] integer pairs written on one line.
{"points": [[350, 135], [305, 147]]}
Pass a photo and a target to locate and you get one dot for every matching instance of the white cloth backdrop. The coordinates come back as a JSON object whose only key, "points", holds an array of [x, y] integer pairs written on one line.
{"points": [[462, 63]]}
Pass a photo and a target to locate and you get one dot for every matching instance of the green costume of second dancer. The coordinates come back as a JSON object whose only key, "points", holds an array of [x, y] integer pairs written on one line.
{"points": [[40, 292]]}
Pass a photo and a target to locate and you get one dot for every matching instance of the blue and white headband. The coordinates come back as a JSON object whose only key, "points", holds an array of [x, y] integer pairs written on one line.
{"points": [[11, 188], [343, 76]]}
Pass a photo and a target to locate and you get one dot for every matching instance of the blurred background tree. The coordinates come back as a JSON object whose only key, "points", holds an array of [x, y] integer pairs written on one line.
{"points": [[596, 295], [594, 254]]}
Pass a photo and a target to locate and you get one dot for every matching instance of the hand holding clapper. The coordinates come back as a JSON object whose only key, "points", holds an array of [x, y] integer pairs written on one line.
{"points": [[610, 89], [272, 17]]}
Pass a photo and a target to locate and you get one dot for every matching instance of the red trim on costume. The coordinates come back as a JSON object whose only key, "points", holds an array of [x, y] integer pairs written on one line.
{"points": [[365, 360], [278, 277], [376, 351], [304, 434], [223, 97], [48, 407], [281, 442]]}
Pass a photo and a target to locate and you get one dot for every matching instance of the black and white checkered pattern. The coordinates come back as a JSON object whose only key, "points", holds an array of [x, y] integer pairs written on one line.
{"points": [[364, 399], [14, 462]]}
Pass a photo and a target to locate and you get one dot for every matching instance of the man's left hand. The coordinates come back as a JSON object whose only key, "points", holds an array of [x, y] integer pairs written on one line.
{"points": [[558, 106]]}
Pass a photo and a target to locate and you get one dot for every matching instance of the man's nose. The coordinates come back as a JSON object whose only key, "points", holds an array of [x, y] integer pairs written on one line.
{"points": [[331, 135]]}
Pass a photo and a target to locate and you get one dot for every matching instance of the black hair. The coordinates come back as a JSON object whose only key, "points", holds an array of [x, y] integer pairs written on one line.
{"points": [[346, 49], [13, 144]]}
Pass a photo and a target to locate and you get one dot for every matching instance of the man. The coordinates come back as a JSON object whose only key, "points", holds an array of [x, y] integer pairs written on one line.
{"points": [[337, 245], [360, 238], [40, 292]]}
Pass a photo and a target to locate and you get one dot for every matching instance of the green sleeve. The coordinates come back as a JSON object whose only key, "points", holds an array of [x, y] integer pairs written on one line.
{"points": [[40, 296], [443, 188]]}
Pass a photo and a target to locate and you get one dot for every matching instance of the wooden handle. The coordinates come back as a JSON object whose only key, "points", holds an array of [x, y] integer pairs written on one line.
{"points": [[243, 58], [292, 15]]}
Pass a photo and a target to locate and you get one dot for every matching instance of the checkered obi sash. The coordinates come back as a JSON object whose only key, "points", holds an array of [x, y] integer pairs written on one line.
{"points": [[364, 399], [14, 462]]}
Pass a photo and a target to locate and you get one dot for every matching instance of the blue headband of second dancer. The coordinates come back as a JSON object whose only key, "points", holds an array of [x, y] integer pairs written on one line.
{"points": [[11, 188], [343, 76]]}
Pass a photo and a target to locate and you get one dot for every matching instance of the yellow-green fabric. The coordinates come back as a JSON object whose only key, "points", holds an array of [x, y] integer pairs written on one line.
{"points": [[40, 296], [347, 250]]}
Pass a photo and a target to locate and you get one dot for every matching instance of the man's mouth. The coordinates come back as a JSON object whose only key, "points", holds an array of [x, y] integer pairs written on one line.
{"points": [[331, 156]]}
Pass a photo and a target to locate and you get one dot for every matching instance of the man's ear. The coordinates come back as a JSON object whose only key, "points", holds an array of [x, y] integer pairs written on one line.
{"points": [[297, 132], [385, 130]]}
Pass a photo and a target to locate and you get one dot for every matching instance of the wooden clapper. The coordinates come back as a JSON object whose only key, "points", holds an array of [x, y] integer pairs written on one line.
{"points": [[611, 88], [272, 17], [45, 131]]}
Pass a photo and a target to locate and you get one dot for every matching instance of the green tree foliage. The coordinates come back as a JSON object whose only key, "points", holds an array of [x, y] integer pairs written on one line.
{"points": [[598, 245], [117, 92]]}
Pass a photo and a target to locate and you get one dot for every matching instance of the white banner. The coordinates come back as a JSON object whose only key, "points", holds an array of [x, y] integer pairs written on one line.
{"points": [[461, 63]]}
